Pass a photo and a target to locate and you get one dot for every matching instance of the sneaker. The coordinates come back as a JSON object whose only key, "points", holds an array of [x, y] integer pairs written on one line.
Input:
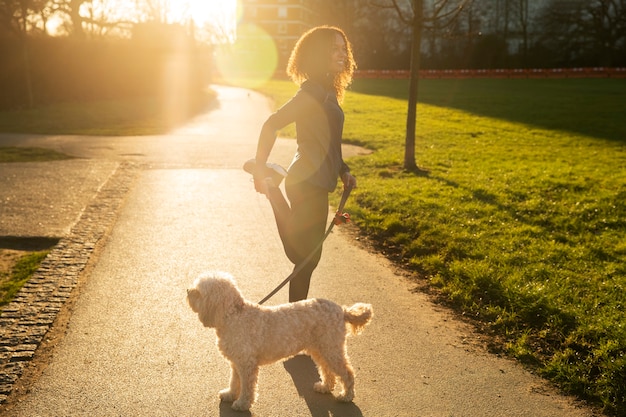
{"points": [[273, 171]]}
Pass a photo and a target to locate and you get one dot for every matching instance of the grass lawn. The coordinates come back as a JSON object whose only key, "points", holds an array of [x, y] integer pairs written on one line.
{"points": [[16, 267], [520, 223], [131, 117]]}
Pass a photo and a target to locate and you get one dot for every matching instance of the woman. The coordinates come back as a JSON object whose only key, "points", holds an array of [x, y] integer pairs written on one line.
{"points": [[321, 63]]}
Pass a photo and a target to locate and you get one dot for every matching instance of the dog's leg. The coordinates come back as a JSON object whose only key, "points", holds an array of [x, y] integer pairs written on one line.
{"points": [[248, 374], [231, 394], [347, 379], [327, 383], [345, 372], [336, 362]]}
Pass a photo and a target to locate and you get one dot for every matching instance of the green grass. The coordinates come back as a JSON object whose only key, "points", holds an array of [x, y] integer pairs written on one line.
{"points": [[10, 283], [131, 117], [521, 221]]}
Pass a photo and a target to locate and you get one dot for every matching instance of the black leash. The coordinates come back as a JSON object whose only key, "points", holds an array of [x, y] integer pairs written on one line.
{"points": [[340, 218]]}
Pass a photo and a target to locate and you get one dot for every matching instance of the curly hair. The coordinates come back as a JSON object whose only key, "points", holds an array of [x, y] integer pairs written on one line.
{"points": [[307, 59]]}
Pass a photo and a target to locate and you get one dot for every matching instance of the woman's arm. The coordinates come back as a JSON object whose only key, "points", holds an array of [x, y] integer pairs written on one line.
{"points": [[349, 180], [284, 116]]}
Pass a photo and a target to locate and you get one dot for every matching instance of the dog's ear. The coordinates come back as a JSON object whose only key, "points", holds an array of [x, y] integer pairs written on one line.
{"points": [[193, 298]]}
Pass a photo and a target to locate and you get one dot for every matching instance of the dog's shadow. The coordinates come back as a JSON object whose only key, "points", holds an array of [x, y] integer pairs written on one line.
{"points": [[304, 374], [226, 410]]}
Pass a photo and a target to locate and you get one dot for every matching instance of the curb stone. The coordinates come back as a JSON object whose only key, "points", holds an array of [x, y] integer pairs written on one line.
{"points": [[25, 321]]}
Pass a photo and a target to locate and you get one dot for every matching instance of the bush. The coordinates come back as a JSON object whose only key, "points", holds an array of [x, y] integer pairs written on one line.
{"points": [[46, 70]]}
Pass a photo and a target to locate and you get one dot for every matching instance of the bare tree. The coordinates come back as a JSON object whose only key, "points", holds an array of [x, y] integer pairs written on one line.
{"points": [[155, 10], [22, 16], [523, 19], [604, 21], [420, 15], [71, 10], [95, 18], [585, 32]]}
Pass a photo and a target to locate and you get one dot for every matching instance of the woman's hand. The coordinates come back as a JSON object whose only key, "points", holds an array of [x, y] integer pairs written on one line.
{"points": [[349, 181], [259, 184]]}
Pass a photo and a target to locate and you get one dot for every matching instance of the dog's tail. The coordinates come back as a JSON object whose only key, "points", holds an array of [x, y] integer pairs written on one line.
{"points": [[357, 316]]}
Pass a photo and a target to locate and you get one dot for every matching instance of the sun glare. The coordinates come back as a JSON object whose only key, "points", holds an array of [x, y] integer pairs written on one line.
{"points": [[214, 16], [203, 12], [251, 60]]}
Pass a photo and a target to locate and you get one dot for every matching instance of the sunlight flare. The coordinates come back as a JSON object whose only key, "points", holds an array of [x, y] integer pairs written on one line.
{"points": [[202, 12], [251, 61]]}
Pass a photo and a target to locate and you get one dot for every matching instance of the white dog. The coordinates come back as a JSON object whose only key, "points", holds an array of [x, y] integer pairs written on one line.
{"points": [[250, 335]]}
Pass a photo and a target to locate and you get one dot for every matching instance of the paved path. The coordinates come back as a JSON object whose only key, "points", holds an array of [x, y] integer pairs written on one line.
{"points": [[133, 347]]}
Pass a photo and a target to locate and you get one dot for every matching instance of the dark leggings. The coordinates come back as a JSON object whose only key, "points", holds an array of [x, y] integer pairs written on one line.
{"points": [[301, 227]]}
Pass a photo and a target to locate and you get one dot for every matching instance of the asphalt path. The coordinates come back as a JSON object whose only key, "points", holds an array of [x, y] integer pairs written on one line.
{"points": [[133, 347]]}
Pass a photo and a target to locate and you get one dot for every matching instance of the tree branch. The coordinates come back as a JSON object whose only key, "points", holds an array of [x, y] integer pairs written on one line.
{"points": [[407, 20], [448, 17]]}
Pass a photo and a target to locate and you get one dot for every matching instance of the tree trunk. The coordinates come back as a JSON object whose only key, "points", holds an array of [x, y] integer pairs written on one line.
{"points": [[76, 18], [409, 150], [27, 72]]}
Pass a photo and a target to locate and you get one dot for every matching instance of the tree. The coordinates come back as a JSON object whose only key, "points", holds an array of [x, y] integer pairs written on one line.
{"points": [[22, 16], [585, 32], [420, 15], [604, 22], [523, 19], [71, 9]]}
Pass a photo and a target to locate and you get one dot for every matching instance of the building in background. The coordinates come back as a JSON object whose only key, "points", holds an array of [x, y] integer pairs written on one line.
{"points": [[283, 20]]}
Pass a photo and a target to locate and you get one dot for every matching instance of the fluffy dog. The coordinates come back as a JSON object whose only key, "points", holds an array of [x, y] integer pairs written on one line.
{"points": [[250, 335]]}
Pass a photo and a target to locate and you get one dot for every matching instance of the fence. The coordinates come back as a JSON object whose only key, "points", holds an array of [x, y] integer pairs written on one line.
{"points": [[595, 72]]}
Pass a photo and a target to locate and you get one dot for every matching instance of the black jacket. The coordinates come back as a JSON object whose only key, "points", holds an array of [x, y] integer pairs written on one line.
{"points": [[319, 128]]}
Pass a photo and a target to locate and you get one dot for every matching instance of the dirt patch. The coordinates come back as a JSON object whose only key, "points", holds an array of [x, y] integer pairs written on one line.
{"points": [[354, 150], [8, 258]]}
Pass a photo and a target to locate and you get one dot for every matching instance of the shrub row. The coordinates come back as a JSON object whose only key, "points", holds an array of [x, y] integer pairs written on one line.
{"points": [[40, 71]]}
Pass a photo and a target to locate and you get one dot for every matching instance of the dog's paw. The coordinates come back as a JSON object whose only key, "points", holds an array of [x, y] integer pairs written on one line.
{"points": [[321, 388], [227, 395], [345, 397], [240, 405]]}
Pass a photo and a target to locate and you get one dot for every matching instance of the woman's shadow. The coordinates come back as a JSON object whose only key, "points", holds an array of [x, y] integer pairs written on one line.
{"points": [[304, 374]]}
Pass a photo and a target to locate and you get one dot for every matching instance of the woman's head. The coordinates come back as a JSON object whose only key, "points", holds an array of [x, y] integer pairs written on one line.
{"points": [[323, 53]]}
